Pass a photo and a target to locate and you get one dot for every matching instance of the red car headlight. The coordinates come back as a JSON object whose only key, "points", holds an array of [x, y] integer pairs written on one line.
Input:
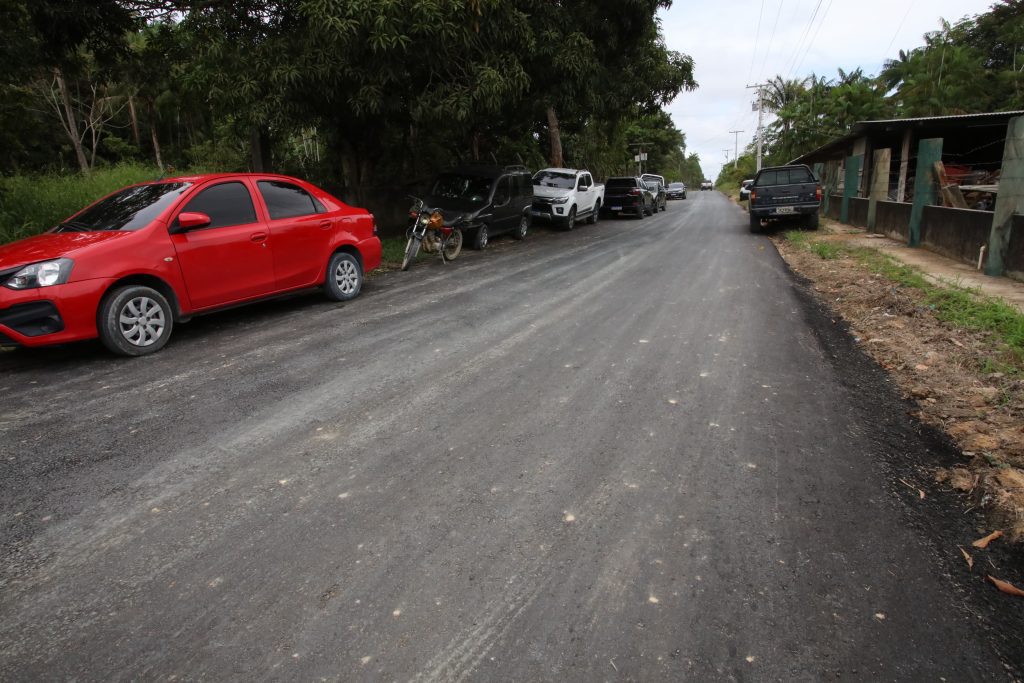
{"points": [[42, 274]]}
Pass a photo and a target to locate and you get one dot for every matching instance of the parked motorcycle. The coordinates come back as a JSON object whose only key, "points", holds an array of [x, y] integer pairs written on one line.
{"points": [[429, 230]]}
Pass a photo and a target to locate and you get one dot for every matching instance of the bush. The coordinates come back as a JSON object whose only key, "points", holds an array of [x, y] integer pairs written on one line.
{"points": [[30, 204]]}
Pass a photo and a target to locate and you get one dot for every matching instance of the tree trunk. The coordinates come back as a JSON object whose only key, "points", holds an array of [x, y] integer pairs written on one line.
{"points": [[260, 145], [476, 146], [556, 139], [152, 133], [72, 123], [135, 121]]}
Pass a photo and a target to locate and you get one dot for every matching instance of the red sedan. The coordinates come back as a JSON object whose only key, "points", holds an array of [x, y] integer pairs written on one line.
{"points": [[130, 266]]}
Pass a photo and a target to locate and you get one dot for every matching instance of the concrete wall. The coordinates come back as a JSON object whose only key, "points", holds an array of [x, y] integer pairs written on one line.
{"points": [[859, 212], [892, 219], [1015, 252], [955, 233], [835, 206]]}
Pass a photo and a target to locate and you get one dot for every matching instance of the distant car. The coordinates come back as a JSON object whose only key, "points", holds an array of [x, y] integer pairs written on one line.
{"points": [[628, 195], [656, 184], [706, 185], [676, 191], [745, 189], [491, 199], [132, 265]]}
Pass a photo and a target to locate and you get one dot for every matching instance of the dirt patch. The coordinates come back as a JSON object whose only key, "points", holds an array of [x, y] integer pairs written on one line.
{"points": [[947, 372]]}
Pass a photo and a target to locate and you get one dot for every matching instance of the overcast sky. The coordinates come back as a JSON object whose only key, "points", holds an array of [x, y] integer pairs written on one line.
{"points": [[730, 53]]}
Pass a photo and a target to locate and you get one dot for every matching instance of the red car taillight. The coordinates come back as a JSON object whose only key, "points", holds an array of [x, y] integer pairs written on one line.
{"points": [[636, 192], [753, 195], [817, 193]]}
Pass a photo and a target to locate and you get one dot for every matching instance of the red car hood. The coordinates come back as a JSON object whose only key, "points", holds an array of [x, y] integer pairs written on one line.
{"points": [[51, 245]]}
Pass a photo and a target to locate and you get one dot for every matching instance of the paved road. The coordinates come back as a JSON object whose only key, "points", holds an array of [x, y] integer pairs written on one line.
{"points": [[621, 453]]}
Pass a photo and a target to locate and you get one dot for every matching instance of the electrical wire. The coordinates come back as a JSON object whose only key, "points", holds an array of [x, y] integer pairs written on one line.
{"points": [[757, 40], [900, 27], [771, 40], [821, 23], [803, 36]]}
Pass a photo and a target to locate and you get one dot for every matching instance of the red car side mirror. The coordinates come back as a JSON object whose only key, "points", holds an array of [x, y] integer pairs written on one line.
{"points": [[189, 219]]}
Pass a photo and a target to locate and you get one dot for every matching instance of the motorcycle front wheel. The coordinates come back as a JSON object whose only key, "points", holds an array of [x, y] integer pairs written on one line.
{"points": [[411, 249], [453, 246]]}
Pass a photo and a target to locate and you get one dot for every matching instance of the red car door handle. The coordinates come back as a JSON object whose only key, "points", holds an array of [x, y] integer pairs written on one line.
{"points": [[325, 225], [258, 236]]}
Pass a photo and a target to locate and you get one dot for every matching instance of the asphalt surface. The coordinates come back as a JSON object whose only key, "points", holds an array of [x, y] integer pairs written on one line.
{"points": [[628, 452]]}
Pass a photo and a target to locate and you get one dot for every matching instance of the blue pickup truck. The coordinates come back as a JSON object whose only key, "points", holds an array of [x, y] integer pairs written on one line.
{"points": [[784, 193]]}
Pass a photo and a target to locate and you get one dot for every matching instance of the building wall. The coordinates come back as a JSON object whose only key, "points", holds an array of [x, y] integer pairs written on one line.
{"points": [[955, 233], [892, 219]]}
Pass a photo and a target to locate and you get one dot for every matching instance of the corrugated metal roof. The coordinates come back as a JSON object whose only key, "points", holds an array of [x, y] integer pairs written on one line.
{"points": [[951, 117], [862, 127]]}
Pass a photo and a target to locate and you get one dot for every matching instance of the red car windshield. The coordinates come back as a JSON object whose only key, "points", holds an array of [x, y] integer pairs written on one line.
{"points": [[129, 209]]}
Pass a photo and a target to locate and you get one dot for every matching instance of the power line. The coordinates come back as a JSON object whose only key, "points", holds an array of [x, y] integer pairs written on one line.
{"points": [[757, 39], [900, 27], [821, 23], [803, 36], [764, 62]]}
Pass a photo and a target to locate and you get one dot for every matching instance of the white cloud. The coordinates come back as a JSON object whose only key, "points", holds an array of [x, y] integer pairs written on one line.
{"points": [[721, 38]]}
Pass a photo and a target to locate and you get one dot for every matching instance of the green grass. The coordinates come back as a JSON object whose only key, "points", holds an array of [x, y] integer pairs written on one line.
{"points": [[961, 307], [30, 204], [393, 249]]}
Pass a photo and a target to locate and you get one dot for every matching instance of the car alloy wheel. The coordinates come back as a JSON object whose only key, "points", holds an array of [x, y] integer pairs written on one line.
{"points": [[524, 226], [344, 278], [346, 275], [134, 320], [481, 237], [142, 321]]}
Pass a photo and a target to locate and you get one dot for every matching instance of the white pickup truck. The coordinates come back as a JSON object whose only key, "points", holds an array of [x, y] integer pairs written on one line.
{"points": [[565, 195]]}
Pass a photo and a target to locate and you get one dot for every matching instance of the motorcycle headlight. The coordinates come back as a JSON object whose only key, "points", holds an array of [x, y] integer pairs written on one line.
{"points": [[560, 200], [44, 274], [425, 219]]}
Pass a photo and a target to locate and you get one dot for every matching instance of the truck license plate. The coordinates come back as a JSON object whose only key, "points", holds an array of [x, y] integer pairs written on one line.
{"points": [[785, 210], [616, 208]]}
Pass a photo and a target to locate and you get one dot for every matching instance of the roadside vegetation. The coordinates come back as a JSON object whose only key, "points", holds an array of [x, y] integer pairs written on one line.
{"points": [[341, 94], [32, 203], [961, 307]]}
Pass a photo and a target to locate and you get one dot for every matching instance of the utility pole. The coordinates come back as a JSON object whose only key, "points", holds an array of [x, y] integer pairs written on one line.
{"points": [[640, 155], [760, 119], [736, 152], [726, 155]]}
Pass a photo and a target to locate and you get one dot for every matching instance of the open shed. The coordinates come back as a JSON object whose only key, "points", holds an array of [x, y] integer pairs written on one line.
{"points": [[883, 175]]}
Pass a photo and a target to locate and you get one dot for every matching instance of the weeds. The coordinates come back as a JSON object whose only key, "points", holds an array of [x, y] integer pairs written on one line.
{"points": [[959, 306], [393, 249], [31, 204]]}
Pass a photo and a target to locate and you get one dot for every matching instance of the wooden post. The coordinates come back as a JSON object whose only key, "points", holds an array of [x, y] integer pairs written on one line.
{"points": [[948, 190], [901, 188], [928, 152], [851, 185], [879, 184], [1009, 199]]}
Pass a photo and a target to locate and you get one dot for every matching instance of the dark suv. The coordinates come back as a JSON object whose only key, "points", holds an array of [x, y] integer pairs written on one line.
{"points": [[628, 195], [493, 200]]}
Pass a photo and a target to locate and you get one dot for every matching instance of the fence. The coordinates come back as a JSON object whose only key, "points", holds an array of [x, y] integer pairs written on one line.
{"points": [[958, 234]]}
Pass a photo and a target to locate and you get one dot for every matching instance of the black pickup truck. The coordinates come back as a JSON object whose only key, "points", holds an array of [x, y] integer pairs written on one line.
{"points": [[784, 193]]}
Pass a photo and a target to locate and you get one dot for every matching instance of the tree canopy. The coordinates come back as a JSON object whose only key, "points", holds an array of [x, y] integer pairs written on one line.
{"points": [[355, 94]]}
